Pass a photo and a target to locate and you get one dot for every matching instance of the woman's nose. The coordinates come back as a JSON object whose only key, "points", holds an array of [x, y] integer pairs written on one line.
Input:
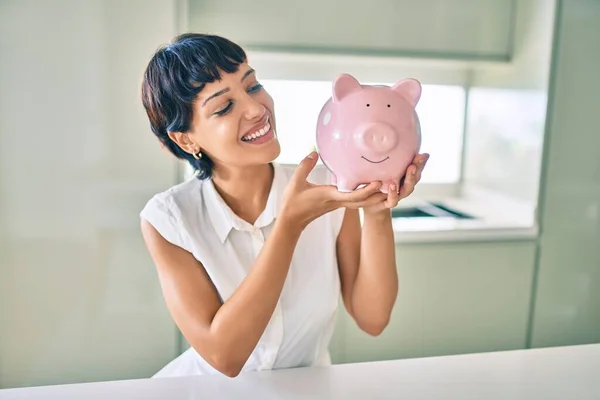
{"points": [[253, 109]]}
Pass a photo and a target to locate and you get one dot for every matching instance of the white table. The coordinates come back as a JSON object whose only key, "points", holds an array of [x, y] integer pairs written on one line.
{"points": [[565, 373]]}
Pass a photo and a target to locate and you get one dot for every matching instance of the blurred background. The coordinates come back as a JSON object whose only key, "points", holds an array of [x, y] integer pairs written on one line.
{"points": [[498, 249]]}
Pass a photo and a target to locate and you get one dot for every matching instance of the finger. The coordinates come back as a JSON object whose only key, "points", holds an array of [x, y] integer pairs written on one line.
{"points": [[421, 159], [402, 181], [355, 195], [393, 196], [409, 182], [373, 200], [332, 195], [420, 163], [305, 167], [358, 194], [417, 176]]}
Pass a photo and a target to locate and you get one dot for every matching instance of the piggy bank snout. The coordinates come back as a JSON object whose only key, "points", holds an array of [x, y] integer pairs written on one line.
{"points": [[376, 137]]}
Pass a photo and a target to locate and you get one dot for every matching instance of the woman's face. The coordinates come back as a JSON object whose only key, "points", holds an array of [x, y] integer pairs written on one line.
{"points": [[234, 121]]}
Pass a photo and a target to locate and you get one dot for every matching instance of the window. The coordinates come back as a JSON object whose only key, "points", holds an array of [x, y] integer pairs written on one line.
{"points": [[441, 112], [506, 134]]}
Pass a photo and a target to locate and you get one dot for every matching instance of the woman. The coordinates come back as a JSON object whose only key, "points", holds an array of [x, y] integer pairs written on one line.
{"points": [[252, 256]]}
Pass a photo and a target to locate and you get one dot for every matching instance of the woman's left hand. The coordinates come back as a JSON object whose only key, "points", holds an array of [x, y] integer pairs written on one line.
{"points": [[413, 176]]}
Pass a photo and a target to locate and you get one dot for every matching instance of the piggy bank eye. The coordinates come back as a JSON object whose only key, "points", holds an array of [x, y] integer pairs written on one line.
{"points": [[368, 105], [389, 106]]}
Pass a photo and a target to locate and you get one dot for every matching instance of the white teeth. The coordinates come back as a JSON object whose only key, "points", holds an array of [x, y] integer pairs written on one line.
{"points": [[258, 133]]}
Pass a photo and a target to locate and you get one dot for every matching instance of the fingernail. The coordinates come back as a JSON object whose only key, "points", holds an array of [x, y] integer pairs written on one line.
{"points": [[393, 187], [312, 155]]}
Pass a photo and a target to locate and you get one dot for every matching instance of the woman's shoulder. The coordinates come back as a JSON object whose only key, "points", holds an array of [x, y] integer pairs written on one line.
{"points": [[176, 197], [165, 209]]}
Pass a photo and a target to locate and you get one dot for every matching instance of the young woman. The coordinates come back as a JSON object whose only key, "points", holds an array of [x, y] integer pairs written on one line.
{"points": [[252, 256]]}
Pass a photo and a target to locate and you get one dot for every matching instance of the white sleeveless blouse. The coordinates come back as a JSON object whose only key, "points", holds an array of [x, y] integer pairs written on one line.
{"points": [[193, 216]]}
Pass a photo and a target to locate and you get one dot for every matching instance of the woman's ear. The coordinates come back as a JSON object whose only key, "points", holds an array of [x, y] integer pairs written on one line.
{"points": [[184, 141]]}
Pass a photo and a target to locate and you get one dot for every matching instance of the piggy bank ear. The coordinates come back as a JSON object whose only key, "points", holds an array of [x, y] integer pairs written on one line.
{"points": [[410, 89], [343, 86]]}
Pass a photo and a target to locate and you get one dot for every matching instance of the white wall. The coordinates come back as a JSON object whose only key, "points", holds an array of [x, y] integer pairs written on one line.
{"points": [[567, 306], [79, 299]]}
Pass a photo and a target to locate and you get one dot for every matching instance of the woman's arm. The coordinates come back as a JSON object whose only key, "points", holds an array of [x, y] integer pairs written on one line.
{"points": [[224, 334], [366, 257]]}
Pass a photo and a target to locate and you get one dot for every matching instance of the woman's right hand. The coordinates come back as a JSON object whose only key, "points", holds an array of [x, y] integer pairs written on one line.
{"points": [[304, 202]]}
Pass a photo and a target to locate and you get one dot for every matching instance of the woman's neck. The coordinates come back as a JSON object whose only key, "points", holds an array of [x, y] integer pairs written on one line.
{"points": [[245, 190]]}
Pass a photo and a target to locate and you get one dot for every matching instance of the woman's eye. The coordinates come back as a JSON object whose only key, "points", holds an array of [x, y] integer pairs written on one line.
{"points": [[225, 109], [255, 88]]}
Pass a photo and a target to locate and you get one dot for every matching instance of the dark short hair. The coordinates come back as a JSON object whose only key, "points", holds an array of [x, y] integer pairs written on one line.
{"points": [[175, 75]]}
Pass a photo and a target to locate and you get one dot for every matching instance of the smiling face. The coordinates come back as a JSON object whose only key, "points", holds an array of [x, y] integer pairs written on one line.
{"points": [[233, 122]]}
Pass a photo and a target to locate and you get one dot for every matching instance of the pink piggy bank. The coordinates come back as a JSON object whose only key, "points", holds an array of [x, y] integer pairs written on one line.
{"points": [[369, 133]]}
